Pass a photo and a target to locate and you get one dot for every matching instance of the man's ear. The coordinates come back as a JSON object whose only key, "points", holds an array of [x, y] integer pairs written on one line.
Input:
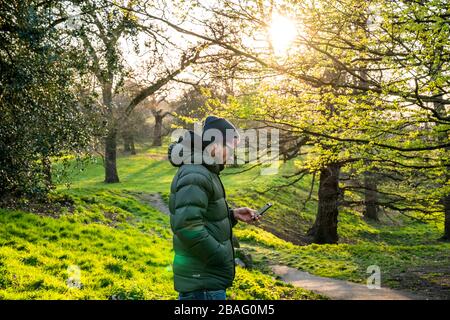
{"points": [[213, 150]]}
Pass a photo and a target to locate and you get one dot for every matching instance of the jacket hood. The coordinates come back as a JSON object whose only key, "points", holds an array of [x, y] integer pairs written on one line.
{"points": [[188, 150]]}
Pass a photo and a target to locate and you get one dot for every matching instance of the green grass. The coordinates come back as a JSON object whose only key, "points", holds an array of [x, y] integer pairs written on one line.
{"points": [[112, 262], [144, 171], [123, 246]]}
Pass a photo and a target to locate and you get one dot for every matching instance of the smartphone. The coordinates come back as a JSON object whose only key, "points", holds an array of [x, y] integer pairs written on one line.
{"points": [[264, 209]]}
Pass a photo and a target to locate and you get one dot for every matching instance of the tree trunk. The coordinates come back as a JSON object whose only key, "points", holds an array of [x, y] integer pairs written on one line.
{"points": [[443, 137], [47, 169], [111, 175], [157, 139], [128, 143], [132, 148], [446, 235], [324, 229], [370, 184], [370, 197]]}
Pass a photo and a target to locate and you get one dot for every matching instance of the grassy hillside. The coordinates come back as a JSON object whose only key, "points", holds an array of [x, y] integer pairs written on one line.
{"points": [[122, 246], [123, 250]]}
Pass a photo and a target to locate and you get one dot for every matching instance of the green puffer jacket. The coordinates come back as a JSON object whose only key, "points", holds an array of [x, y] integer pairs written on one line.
{"points": [[201, 222]]}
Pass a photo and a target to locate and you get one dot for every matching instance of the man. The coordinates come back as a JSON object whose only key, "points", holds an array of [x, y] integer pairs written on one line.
{"points": [[200, 218]]}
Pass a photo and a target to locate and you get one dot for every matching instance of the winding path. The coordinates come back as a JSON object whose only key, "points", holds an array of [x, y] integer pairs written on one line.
{"points": [[338, 289]]}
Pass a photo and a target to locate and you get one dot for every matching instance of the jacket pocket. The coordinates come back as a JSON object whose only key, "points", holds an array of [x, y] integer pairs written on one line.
{"points": [[220, 257]]}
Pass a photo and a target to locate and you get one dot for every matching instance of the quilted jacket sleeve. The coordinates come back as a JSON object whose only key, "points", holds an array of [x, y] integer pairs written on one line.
{"points": [[232, 218]]}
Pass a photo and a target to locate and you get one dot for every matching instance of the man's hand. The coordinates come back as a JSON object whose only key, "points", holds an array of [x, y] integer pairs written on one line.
{"points": [[246, 215]]}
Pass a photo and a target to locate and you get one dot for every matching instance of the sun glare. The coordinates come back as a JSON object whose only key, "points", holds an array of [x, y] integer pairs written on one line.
{"points": [[282, 32]]}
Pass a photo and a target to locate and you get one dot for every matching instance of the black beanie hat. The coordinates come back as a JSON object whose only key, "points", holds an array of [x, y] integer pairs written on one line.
{"points": [[221, 124]]}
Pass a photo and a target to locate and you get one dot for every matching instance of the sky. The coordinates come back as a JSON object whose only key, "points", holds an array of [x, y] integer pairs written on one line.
{"points": [[281, 34]]}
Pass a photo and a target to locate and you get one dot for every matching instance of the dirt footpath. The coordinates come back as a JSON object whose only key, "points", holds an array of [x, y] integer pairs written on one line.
{"points": [[339, 289]]}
